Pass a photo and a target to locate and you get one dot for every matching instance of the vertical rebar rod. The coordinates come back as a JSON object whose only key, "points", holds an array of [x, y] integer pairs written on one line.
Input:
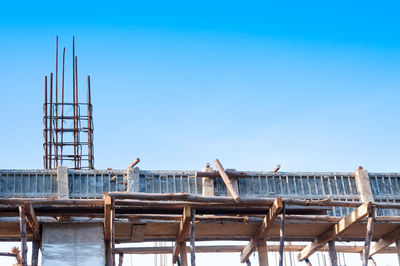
{"points": [[56, 120], [78, 151], [62, 108], [89, 117], [45, 125], [51, 120], [73, 90]]}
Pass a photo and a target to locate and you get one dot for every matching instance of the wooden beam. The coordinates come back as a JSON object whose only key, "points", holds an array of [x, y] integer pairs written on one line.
{"points": [[262, 231], [332, 253], [276, 169], [368, 236], [32, 220], [112, 225], [398, 249], [282, 235], [121, 259], [35, 252], [343, 225], [262, 252], [138, 232], [109, 229], [182, 232], [22, 228], [132, 164], [385, 241], [183, 253], [107, 217], [227, 181], [215, 174], [8, 254], [238, 248], [192, 237]]}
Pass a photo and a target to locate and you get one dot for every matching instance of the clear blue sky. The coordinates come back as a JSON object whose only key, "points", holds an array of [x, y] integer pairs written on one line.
{"points": [[311, 85]]}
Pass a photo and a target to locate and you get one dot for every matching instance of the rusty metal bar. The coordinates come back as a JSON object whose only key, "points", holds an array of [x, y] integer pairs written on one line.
{"points": [[51, 120], [54, 146], [45, 146], [89, 115], [73, 96], [77, 116], [56, 118], [62, 108]]}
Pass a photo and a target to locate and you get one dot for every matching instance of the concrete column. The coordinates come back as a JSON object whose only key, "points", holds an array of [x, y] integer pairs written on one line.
{"points": [[208, 183], [363, 185], [62, 182], [133, 179]]}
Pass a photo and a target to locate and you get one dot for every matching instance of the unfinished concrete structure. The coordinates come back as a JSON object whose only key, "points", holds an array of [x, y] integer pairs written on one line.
{"points": [[136, 205]]}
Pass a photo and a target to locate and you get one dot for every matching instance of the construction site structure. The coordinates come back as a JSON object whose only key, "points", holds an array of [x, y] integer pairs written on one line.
{"points": [[81, 217], [68, 126]]}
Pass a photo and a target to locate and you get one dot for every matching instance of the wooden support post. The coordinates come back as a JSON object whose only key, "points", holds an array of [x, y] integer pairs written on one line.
{"points": [[332, 253], [121, 259], [182, 253], [192, 238], [262, 231], [368, 236], [112, 224], [22, 229], [248, 263], [181, 235], [398, 250], [109, 229], [227, 181], [385, 241], [262, 252], [35, 252], [282, 235], [32, 220], [309, 262], [342, 226]]}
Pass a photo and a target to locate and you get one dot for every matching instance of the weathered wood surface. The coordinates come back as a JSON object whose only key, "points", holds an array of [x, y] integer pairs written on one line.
{"points": [[262, 231], [192, 237], [215, 174], [333, 232], [35, 252], [181, 234], [23, 235], [262, 251], [282, 234], [32, 220], [238, 248], [227, 181], [332, 253], [385, 241], [368, 236]]}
